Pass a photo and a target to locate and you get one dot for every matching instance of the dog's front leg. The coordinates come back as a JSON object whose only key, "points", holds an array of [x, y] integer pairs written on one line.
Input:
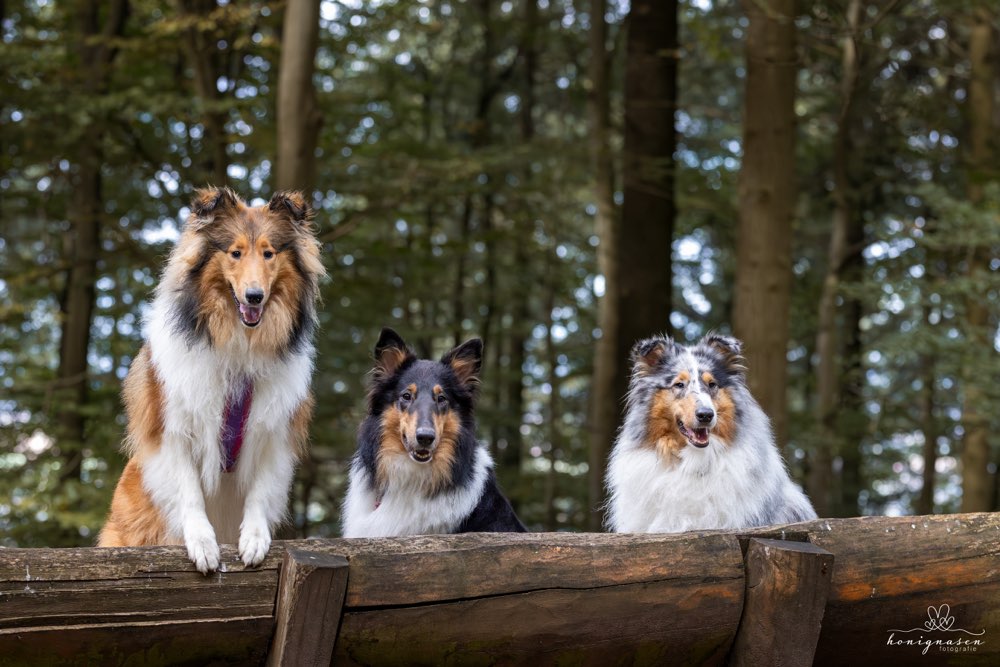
{"points": [[172, 479], [270, 478]]}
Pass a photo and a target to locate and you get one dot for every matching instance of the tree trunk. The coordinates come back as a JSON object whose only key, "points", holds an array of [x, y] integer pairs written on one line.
{"points": [[298, 115], [925, 501], [977, 485], [605, 402], [854, 424], [510, 459], [827, 379], [203, 57], [555, 407], [96, 53], [766, 205], [647, 227]]}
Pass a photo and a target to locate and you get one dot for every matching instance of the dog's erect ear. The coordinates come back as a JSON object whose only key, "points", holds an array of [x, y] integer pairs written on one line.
{"points": [[466, 361], [292, 205], [208, 203], [650, 353], [731, 350], [390, 353]]}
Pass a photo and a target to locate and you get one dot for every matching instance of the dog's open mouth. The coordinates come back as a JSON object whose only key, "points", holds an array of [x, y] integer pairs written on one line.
{"points": [[421, 455], [249, 315], [697, 437]]}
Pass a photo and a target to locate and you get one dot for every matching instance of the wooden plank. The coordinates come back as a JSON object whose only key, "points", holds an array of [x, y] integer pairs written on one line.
{"points": [[584, 600], [310, 598], [53, 587], [786, 590], [892, 570], [241, 641]]}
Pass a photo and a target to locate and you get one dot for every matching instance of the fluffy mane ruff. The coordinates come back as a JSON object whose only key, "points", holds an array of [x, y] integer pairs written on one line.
{"points": [[668, 472], [205, 344]]}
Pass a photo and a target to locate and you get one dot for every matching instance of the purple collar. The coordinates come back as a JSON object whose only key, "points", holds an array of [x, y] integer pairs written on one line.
{"points": [[234, 422]]}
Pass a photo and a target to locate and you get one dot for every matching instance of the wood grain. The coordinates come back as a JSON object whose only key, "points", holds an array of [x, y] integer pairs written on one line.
{"points": [[310, 599], [505, 599], [786, 590], [890, 570]]}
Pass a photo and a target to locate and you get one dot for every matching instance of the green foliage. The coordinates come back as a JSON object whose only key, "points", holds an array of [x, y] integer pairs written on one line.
{"points": [[446, 213]]}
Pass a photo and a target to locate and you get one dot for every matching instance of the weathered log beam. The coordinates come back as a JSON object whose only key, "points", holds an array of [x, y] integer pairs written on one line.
{"points": [[786, 589], [890, 572], [310, 599], [511, 598]]}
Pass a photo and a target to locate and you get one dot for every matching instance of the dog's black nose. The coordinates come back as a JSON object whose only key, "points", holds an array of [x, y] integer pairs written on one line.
{"points": [[704, 415], [425, 437], [254, 295]]}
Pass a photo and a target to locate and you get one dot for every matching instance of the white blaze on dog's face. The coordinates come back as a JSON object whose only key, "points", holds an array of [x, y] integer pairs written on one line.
{"points": [[687, 391]]}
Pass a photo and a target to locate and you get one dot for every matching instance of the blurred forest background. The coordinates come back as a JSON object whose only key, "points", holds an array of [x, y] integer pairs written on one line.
{"points": [[559, 177]]}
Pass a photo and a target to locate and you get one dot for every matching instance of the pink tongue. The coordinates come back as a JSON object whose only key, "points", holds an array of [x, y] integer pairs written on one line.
{"points": [[701, 434], [251, 314]]}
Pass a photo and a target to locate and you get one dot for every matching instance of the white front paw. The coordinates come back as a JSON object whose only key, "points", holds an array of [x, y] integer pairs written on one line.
{"points": [[254, 542], [202, 548]]}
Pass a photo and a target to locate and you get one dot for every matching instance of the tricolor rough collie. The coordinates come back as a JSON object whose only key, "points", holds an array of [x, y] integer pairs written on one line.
{"points": [[419, 468], [218, 398], [696, 451]]}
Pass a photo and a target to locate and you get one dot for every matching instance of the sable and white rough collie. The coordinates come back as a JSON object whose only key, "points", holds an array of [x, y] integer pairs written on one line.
{"points": [[218, 398], [696, 451], [419, 468]]}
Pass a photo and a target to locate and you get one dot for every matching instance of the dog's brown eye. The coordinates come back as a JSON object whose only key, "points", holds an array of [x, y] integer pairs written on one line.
{"points": [[679, 385], [442, 399], [268, 254], [406, 396], [236, 254], [713, 385]]}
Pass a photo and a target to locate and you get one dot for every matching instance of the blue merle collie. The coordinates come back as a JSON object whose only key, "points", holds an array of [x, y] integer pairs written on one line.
{"points": [[419, 468], [696, 451]]}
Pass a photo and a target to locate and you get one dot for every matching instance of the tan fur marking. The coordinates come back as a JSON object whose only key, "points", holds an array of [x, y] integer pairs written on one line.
{"points": [[663, 435], [448, 428], [725, 415], [134, 520], [465, 370], [142, 394], [299, 426], [683, 376], [391, 445], [388, 361]]}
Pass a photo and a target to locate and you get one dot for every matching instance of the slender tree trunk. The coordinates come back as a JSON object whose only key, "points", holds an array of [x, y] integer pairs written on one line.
{"points": [[96, 53], [647, 227], [977, 484], [298, 115], [512, 455], [925, 501], [767, 204], [827, 377], [604, 399], [555, 409], [203, 57], [854, 425]]}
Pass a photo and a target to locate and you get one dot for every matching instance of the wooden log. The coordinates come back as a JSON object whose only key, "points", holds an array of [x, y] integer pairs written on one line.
{"points": [[310, 597], [237, 641], [786, 590], [503, 599], [550, 599], [895, 573], [132, 605]]}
